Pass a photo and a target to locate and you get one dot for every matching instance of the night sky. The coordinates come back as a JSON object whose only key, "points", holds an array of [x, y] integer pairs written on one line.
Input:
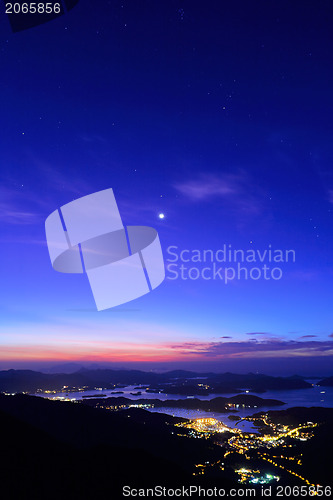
{"points": [[216, 114]]}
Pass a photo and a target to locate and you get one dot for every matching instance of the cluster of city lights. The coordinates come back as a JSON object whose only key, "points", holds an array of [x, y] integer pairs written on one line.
{"points": [[255, 476]]}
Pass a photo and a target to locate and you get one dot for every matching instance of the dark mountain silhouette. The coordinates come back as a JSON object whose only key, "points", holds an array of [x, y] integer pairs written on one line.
{"points": [[259, 382], [65, 368], [216, 404], [174, 382], [328, 382]]}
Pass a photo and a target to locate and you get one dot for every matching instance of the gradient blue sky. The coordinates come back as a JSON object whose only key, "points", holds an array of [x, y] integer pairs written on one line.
{"points": [[218, 115]]}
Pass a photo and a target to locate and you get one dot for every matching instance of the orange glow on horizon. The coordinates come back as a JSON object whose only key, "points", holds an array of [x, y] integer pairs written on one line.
{"points": [[137, 353]]}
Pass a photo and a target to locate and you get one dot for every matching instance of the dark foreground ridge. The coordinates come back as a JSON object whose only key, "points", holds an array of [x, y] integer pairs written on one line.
{"points": [[57, 449], [67, 450]]}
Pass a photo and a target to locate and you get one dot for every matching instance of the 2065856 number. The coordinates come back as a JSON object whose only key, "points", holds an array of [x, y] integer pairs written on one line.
{"points": [[33, 8], [302, 491]]}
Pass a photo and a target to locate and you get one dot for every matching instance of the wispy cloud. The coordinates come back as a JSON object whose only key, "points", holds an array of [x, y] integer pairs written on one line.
{"points": [[92, 138], [17, 208], [29, 204], [11, 215], [209, 186], [245, 349], [258, 333], [57, 180], [238, 190], [330, 195], [304, 275]]}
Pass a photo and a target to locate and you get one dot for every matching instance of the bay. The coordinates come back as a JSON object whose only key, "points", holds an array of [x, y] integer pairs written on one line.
{"points": [[314, 396]]}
